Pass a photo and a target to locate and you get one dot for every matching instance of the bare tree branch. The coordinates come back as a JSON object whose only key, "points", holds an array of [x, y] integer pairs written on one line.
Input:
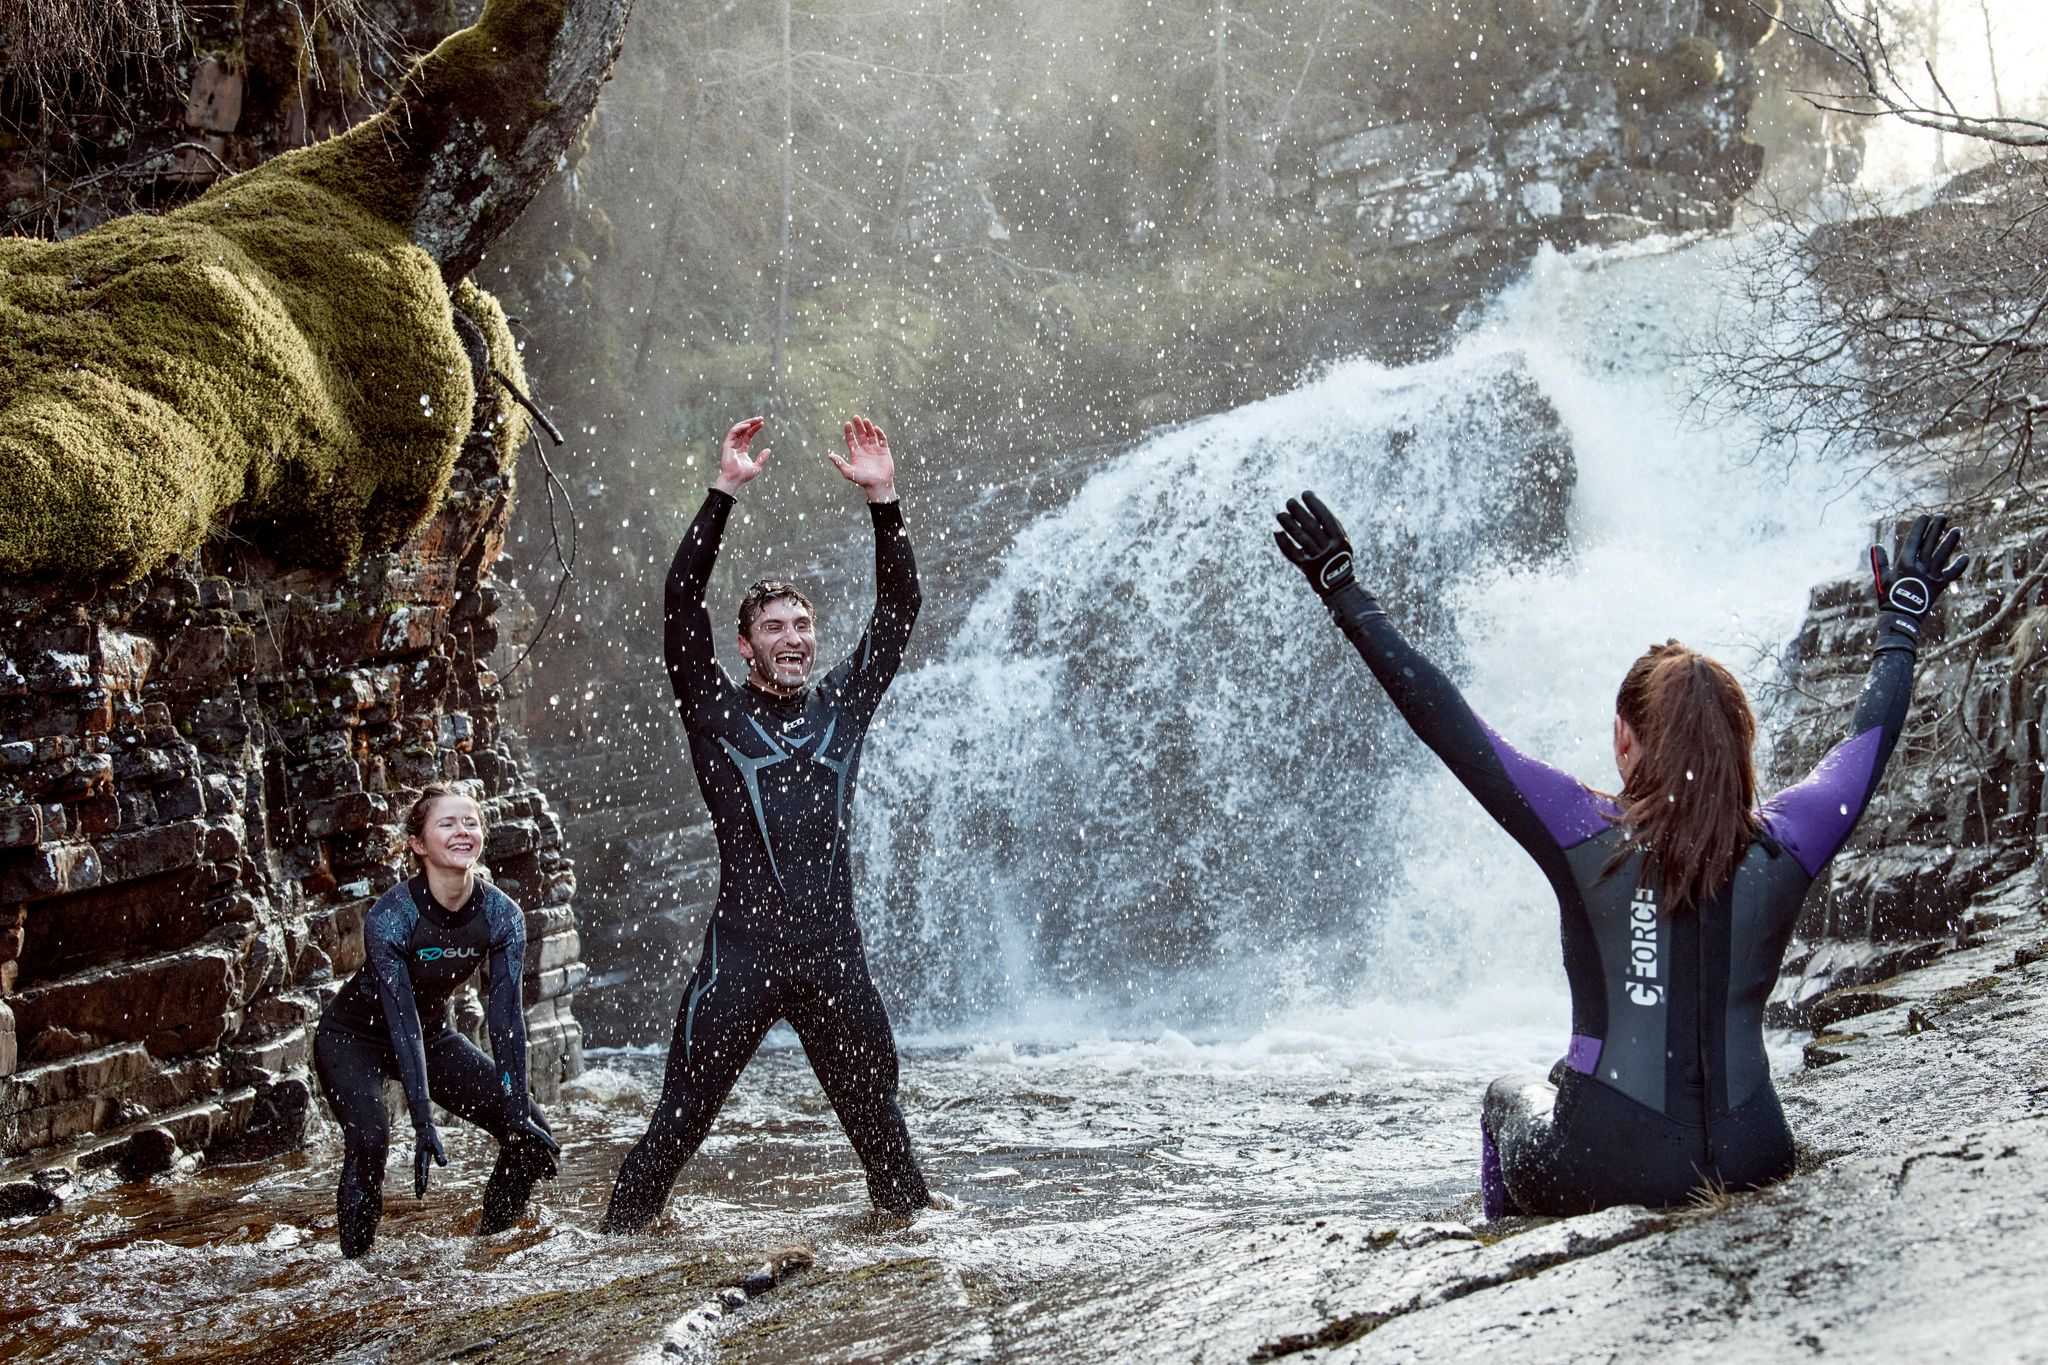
{"points": [[1915, 343], [1858, 43]]}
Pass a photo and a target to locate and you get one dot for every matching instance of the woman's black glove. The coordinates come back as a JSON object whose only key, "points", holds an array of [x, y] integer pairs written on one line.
{"points": [[426, 1147], [537, 1146], [1311, 536], [1926, 564]]}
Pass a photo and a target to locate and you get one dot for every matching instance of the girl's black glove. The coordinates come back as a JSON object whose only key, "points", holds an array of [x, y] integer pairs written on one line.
{"points": [[1311, 536], [536, 1144], [426, 1149], [1926, 564]]}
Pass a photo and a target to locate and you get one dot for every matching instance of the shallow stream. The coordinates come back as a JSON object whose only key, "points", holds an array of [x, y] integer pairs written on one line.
{"points": [[1108, 1102]]}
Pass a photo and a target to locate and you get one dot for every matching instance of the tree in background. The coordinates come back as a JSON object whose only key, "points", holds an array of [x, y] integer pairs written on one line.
{"points": [[1916, 342]]}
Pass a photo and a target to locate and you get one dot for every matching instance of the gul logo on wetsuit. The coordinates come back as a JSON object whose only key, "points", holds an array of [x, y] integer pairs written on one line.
{"points": [[436, 954], [1645, 949], [1910, 594]]}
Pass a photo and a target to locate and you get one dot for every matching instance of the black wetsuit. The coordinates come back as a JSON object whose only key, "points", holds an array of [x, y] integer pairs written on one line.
{"points": [[1666, 1085], [778, 774], [392, 1020]]}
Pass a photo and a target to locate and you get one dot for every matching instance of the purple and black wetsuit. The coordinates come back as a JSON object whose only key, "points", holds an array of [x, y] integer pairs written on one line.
{"points": [[1666, 1085]]}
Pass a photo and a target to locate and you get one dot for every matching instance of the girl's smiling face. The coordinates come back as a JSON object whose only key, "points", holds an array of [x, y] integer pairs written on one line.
{"points": [[453, 836]]}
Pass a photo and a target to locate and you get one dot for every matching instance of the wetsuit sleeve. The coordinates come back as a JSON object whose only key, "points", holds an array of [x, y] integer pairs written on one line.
{"points": [[1544, 810], [867, 673], [1814, 818], [387, 938], [505, 1015], [693, 669]]}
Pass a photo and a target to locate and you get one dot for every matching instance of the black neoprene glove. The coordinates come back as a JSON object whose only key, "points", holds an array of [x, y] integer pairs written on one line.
{"points": [[1313, 539], [426, 1149], [1923, 564], [538, 1145]]}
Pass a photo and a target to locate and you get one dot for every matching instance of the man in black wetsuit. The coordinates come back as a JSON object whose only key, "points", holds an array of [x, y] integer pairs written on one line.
{"points": [[777, 759]]}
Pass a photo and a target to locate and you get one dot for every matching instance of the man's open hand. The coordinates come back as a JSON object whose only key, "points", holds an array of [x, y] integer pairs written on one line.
{"points": [[867, 461], [736, 468]]}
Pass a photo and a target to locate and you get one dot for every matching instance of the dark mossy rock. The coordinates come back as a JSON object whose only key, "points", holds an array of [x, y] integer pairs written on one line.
{"points": [[270, 355], [1748, 22], [1660, 80]]}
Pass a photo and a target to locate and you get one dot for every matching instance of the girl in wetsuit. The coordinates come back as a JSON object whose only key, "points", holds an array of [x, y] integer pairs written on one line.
{"points": [[1677, 896], [422, 940]]}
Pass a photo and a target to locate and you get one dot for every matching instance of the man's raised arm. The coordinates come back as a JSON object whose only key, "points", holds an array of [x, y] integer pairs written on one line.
{"points": [[870, 465], [693, 669]]}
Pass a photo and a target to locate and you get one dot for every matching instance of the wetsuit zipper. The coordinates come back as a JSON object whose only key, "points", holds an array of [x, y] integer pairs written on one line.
{"points": [[1699, 1038]]}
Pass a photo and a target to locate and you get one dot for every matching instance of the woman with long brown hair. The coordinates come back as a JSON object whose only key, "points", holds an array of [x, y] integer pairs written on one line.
{"points": [[1677, 896]]}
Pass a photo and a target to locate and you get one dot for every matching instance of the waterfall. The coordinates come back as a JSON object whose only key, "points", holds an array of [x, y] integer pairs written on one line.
{"points": [[1149, 784]]}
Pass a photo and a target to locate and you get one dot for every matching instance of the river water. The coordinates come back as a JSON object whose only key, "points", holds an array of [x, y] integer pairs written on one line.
{"points": [[1138, 1043]]}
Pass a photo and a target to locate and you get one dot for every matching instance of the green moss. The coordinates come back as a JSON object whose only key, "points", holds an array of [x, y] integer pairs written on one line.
{"points": [[270, 354], [276, 355], [505, 420], [1964, 994]]}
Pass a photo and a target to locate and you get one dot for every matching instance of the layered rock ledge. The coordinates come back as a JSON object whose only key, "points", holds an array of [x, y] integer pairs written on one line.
{"points": [[1960, 809], [202, 784]]}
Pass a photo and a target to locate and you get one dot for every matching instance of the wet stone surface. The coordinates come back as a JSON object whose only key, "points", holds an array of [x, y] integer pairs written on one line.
{"points": [[1074, 1168], [1290, 1196]]}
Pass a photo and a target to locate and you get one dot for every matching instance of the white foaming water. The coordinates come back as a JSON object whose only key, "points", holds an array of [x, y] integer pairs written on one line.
{"points": [[1677, 531], [1150, 788]]}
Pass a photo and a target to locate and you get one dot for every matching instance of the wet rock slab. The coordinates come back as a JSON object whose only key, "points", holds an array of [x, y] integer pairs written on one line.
{"points": [[1919, 1228], [1876, 1257], [1916, 1229], [663, 1315]]}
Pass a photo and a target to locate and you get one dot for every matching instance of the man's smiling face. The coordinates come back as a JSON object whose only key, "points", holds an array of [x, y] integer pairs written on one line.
{"points": [[780, 646]]}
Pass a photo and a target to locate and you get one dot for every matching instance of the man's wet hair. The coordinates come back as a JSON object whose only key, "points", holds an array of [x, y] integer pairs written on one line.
{"points": [[766, 591]]}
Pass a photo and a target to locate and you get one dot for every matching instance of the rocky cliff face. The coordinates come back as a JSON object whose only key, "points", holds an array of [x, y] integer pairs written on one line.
{"points": [[1956, 827], [201, 789], [1596, 125]]}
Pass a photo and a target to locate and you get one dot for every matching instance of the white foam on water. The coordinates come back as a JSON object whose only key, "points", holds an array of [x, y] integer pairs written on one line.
{"points": [[604, 1084]]}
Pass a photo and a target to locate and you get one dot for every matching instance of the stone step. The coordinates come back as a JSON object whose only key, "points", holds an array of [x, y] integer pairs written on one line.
{"points": [[176, 1002]]}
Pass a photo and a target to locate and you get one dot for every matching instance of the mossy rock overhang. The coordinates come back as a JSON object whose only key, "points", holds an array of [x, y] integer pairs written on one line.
{"points": [[274, 357]]}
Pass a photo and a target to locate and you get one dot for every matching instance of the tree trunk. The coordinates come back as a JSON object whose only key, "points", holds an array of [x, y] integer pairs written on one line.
{"points": [[478, 126], [1991, 57], [1220, 104], [779, 357], [654, 323], [1934, 63]]}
